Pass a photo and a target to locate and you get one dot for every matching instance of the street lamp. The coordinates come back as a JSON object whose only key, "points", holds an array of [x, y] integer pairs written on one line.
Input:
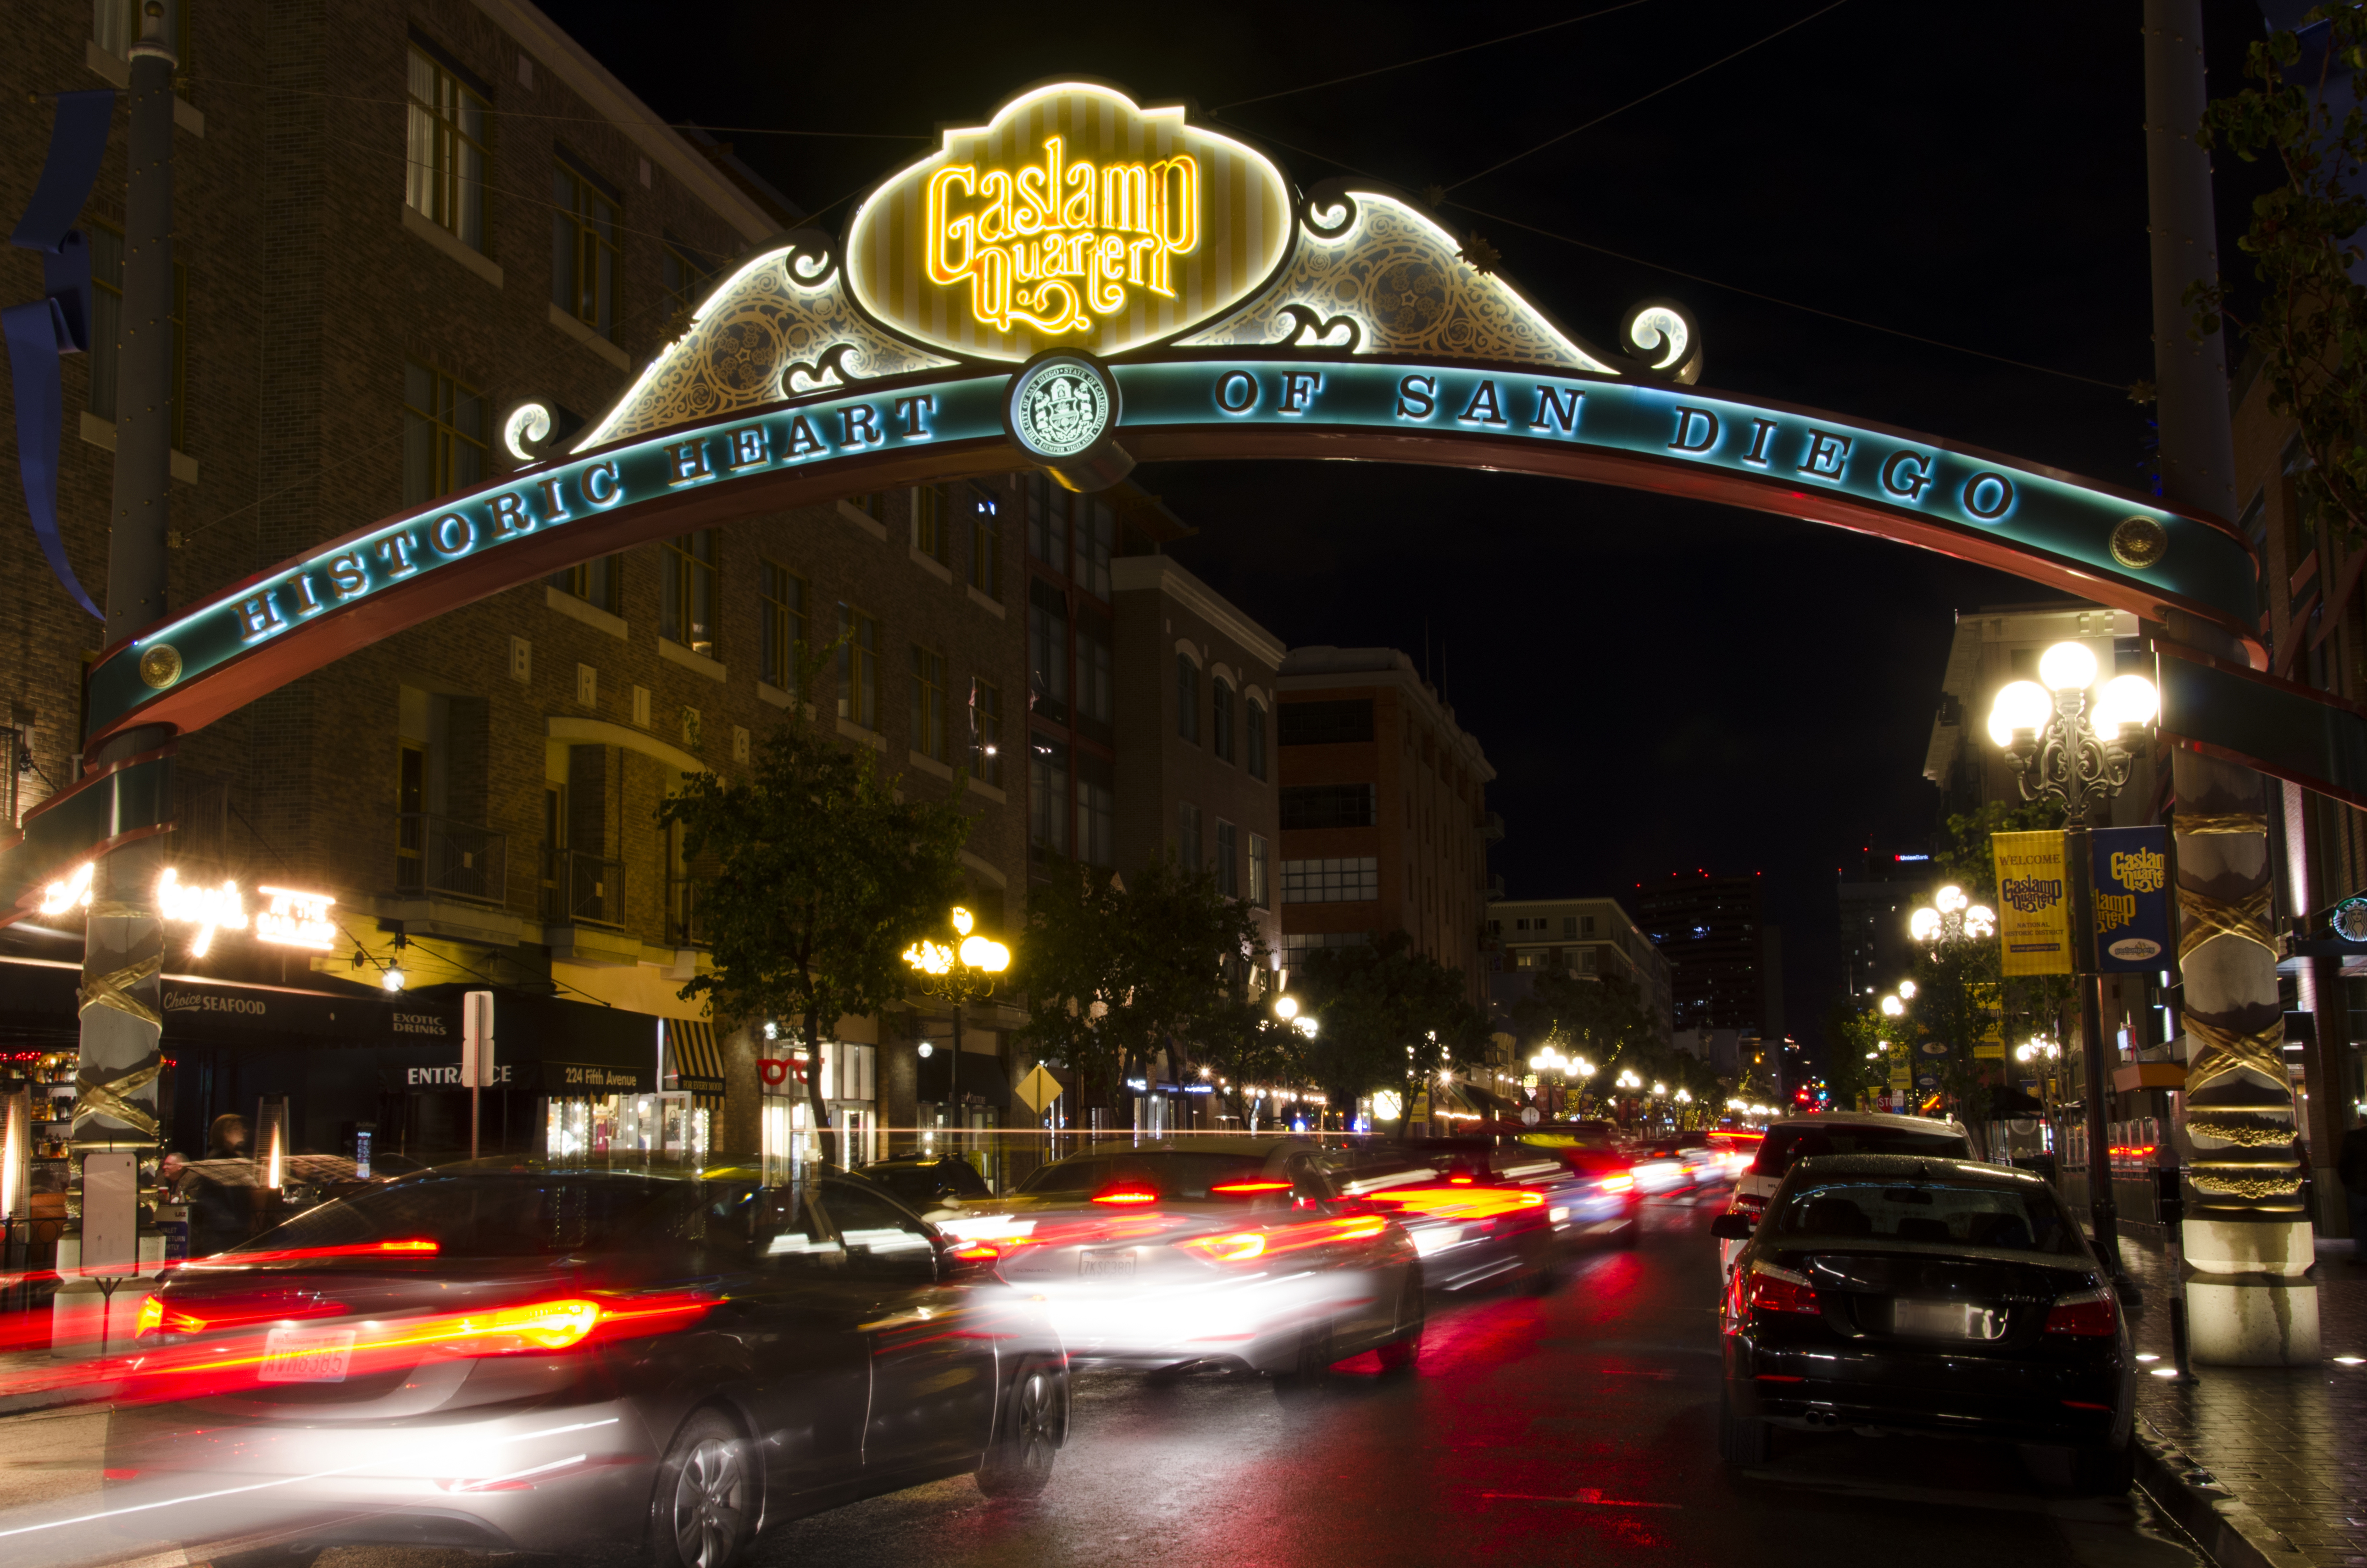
{"points": [[959, 974], [1951, 917], [2075, 743]]}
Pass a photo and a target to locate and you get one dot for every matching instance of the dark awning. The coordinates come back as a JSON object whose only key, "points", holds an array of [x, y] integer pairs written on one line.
{"points": [[694, 1061]]}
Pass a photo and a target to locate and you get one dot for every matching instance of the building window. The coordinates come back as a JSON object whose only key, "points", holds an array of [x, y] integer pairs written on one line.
{"points": [[1048, 798], [872, 504], [986, 547], [1047, 652], [986, 732], [583, 250], [1326, 723], [1586, 960], [928, 703], [1295, 945], [599, 584], [929, 521], [1354, 879], [1047, 522], [1329, 805], [1254, 732], [1187, 698], [684, 274], [1228, 856], [1096, 811], [686, 596], [858, 668], [1187, 835], [1260, 894], [1096, 528], [450, 133], [106, 327], [1569, 925], [1220, 719], [781, 594], [1096, 686], [443, 435]]}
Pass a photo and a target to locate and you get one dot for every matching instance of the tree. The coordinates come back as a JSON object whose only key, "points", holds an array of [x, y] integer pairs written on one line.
{"points": [[1114, 975], [1852, 1035], [2311, 327], [821, 879], [1387, 1016]]}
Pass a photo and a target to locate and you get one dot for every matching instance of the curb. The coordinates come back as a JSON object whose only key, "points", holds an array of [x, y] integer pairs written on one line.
{"points": [[2221, 1523]]}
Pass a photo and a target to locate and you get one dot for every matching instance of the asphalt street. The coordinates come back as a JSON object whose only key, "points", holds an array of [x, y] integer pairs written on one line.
{"points": [[1576, 1427]]}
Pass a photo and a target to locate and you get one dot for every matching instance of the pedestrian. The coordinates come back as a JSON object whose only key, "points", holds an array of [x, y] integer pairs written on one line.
{"points": [[226, 1137], [2351, 1164]]}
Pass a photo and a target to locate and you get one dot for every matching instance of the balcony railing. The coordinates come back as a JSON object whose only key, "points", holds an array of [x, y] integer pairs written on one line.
{"points": [[582, 889], [451, 860], [686, 922]]}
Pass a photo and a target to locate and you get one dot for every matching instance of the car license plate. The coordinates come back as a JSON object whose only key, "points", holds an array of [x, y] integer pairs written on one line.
{"points": [[1107, 1264], [1946, 1320], [305, 1355]]}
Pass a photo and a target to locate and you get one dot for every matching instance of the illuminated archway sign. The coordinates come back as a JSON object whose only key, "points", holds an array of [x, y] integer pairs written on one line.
{"points": [[1082, 283]]}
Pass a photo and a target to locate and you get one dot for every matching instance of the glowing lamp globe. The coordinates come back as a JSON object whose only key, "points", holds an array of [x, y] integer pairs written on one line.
{"points": [[2019, 705], [1285, 1007], [2126, 699], [2067, 667], [1924, 925]]}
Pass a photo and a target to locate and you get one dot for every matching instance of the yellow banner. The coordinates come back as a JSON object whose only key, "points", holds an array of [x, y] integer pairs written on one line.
{"points": [[2033, 907]]}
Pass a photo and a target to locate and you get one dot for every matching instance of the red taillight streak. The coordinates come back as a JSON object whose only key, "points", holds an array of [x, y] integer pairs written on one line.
{"points": [[1779, 1377], [2083, 1404], [978, 1250], [1618, 1184], [311, 1254], [2090, 1314], [1123, 1195], [1252, 1186]]}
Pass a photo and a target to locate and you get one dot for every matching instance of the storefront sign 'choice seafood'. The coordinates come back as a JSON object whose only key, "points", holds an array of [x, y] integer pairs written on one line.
{"points": [[1074, 219]]}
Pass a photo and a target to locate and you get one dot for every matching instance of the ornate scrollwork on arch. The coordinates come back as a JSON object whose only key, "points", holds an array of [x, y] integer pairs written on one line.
{"points": [[1375, 264], [779, 326]]}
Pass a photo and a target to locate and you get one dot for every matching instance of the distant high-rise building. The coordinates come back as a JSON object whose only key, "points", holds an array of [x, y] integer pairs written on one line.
{"points": [[1876, 889], [1726, 961], [1586, 937]]}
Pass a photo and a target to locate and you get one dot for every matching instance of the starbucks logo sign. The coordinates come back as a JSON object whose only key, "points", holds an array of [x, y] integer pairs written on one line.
{"points": [[1060, 406]]}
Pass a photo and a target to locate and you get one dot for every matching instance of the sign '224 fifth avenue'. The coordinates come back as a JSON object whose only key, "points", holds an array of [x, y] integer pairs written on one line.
{"points": [[1081, 282]]}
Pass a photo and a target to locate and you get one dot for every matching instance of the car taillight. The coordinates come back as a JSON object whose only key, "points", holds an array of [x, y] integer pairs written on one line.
{"points": [[1773, 1290], [2090, 1312], [1756, 1202], [1618, 1184], [1127, 1193]]}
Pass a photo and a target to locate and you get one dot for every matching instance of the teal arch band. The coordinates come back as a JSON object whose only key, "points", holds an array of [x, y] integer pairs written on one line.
{"points": [[304, 613]]}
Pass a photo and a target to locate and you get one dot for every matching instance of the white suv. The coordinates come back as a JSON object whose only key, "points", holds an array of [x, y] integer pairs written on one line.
{"points": [[1835, 1132]]}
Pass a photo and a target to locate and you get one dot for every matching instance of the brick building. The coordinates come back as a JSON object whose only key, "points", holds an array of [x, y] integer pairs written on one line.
{"points": [[1384, 823], [391, 223]]}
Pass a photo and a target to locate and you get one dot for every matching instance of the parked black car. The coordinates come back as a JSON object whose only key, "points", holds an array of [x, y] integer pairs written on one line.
{"points": [[518, 1355], [1891, 1294], [927, 1182]]}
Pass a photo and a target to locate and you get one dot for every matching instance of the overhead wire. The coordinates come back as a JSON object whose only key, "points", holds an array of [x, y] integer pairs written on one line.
{"points": [[1647, 98]]}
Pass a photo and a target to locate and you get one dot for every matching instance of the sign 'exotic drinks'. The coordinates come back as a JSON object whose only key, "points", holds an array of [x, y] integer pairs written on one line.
{"points": [[1075, 218]]}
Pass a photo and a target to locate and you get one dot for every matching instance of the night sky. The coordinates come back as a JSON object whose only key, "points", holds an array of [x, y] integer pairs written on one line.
{"points": [[1661, 684]]}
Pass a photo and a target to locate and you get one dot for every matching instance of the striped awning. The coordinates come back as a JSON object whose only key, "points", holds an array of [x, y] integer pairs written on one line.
{"points": [[694, 1061]]}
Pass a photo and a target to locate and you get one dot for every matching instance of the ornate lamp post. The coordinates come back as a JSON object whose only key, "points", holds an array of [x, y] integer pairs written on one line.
{"points": [[1949, 917], [2075, 743], [960, 975]]}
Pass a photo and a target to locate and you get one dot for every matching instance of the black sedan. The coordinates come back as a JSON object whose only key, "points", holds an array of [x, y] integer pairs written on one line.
{"points": [[1889, 1293], [515, 1356]]}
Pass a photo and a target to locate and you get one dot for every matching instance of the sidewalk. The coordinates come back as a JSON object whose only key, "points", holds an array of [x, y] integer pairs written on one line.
{"points": [[2264, 1465]]}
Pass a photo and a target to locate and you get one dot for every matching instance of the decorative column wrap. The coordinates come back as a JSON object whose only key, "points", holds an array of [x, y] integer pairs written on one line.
{"points": [[2249, 1241]]}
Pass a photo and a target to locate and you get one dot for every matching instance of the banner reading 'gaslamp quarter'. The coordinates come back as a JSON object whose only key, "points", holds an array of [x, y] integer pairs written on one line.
{"points": [[2034, 909], [2132, 898]]}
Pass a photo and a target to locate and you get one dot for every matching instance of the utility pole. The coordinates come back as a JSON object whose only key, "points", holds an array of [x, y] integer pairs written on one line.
{"points": [[2248, 1238], [115, 1123]]}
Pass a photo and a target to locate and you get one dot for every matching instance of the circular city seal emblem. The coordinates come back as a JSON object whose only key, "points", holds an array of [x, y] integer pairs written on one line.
{"points": [[1061, 405], [2139, 543], [159, 666]]}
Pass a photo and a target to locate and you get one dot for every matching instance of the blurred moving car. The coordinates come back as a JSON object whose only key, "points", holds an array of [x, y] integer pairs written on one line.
{"points": [[1836, 1132], [1493, 1207], [1609, 1205], [932, 1185], [519, 1355], [1216, 1252], [1659, 1169], [1898, 1293]]}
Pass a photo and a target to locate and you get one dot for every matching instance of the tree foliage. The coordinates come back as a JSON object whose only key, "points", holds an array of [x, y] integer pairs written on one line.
{"points": [[1114, 974], [821, 879], [1386, 1019], [2311, 327]]}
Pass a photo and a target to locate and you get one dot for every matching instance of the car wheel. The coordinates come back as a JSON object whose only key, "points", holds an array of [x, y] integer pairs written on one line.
{"points": [[1311, 1370], [1035, 1420], [1401, 1354], [705, 1497], [1741, 1441]]}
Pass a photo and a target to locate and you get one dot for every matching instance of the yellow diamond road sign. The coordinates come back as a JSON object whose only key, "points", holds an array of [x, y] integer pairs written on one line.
{"points": [[1039, 1088]]}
